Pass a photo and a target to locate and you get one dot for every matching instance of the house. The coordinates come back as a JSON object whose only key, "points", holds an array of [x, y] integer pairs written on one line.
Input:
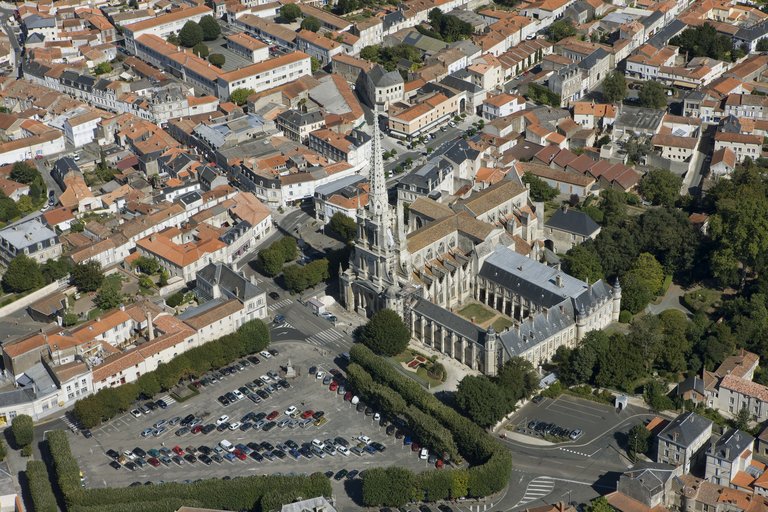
{"points": [[742, 145], [247, 46], [568, 228], [645, 486], [59, 219], [297, 125], [683, 441], [566, 183], [30, 237], [591, 115], [344, 196], [183, 253], [378, 88], [736, 393], [723, 162], [728, 458], [502, 105], [318, 46]]}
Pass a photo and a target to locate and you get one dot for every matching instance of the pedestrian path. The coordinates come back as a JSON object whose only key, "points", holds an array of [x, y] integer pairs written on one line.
{"points": [[325, 337], [168, 400], [279, 304], [537, 489]]}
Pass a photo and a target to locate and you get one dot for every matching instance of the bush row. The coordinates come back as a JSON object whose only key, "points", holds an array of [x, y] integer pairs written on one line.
{"points": [[106, 404], [384, 487], [40, 491], [259, 493]]}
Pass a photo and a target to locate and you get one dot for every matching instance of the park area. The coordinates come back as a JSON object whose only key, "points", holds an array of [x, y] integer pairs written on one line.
{"points": [[427, 369], [485, 317]]}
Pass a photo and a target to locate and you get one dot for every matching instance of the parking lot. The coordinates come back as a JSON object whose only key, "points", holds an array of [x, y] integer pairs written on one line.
{"points": [[591, 418], [306, 393]]}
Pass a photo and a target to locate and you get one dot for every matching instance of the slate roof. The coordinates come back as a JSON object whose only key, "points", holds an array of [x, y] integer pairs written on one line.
{"points": [[380, 77], [537, 328], [730, 446], [452, 321], [685, 429], [651, 475], [572, 221], [233, 283], [661, 38]]}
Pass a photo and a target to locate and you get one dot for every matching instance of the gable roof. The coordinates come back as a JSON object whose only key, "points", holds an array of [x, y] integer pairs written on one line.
{"points": [[573, 221]]}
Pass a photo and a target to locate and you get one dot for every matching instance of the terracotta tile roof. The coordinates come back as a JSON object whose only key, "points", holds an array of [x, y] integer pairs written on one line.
{"points": [[555, 175], [117, 363], [726, 156], [481, 202], [745, 387], [57, 216], [434, 231], [246, 41], [261, 67], [249, 208], [674, 141], [739, 138], [170, 17]]}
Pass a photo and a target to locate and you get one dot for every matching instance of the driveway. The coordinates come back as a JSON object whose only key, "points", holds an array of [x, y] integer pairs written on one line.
{"points": [[670, 300]]}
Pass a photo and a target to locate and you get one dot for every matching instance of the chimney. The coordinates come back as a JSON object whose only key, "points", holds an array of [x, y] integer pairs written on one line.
{"points": [[559, 280], [150, 327]]}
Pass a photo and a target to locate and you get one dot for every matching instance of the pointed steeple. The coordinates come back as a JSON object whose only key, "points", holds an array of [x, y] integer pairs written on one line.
{"points": [[377, 199]]}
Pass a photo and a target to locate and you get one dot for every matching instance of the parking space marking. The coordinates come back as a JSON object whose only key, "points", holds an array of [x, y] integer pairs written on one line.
{"points": [[579, 404], [569, 410]]}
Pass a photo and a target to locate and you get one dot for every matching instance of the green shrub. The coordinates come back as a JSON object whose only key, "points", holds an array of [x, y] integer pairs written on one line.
{"points": [[40, 492], [625, 317]]}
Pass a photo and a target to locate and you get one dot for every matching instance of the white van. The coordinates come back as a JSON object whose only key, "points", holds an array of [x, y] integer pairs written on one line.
{"points": [[355, 400], [226, 445]]}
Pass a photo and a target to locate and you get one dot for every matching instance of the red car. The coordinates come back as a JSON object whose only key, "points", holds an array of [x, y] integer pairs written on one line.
{"points": [[273, 415], [415, 447], [439, 464], [348, 396], [334, 386], [153, 462], [196, 429], [239, 454], [178, 450], [307, 414]]}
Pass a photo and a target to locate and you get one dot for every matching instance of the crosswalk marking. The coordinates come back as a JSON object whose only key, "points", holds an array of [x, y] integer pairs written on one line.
{"points": [[280, 304], [168, 400], [576, 452], [537, 488], [324, 337], [70, 425]]}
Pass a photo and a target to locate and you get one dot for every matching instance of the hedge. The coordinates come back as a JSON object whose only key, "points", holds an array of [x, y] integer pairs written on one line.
{"points": [[40, 492], [493, 463], [259, 493], [251, 337]]}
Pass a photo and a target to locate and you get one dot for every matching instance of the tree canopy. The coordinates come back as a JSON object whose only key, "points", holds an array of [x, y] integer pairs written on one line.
{"points": [[661, 187], [22, 275], [240, 96], [652, 95], [22, 429], [190, 34], [210, 27], [449, 28], [560, 30], [217, 59], [614, 87], [704, 41], [385, 333], [344, 226], [642, 283], [311, 23], [22, 172], [88, 276], [540, 191], [290, 13]]}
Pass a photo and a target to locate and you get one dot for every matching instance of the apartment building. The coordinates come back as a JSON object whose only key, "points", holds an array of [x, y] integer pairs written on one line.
{"points": [[425, 115], [265, 75], [683, 441], [164, 25]]}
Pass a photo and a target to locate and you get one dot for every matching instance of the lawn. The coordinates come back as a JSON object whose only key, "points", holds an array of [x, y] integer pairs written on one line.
{"points": [[501, 323], [480, 313], [703, 299]]}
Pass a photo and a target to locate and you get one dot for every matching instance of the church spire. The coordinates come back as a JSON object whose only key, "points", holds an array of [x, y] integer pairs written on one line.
{"points": [[378, 202]]}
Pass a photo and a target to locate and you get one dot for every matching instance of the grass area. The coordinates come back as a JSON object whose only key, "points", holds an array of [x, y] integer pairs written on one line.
{"points": [[501, 324], [95, 313], [424, 374], [421, 374], [480, 313], [703, 299]]}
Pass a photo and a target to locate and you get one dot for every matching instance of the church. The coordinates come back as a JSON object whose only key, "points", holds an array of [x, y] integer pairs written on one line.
{"points": [[480, 249]]}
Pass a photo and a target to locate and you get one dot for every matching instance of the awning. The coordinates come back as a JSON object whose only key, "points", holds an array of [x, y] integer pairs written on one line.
{"points": [[684, 84]]}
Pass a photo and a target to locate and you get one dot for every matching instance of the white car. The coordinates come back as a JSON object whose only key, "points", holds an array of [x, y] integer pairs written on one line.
{"points": [[238, 394], [136, 413], [319, 375], [376, 417], [265, 379], [424, 454], [265, 354], [291, 411], [234, 426], [222, 419], [364, 439], [343, 450]]}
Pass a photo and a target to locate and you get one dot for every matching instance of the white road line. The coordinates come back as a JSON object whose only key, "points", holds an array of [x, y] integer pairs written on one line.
{"points": [[537, 488]]}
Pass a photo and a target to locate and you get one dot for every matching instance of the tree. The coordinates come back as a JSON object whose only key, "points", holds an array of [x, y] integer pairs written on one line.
{"points": [[743, 419], [540, 191], [315, 64], [481, 400], [638, 441], [190, 34], [240, 96], [656, 396], [299, 278], [560, 30], [704, 41], [69, 319], [311, 23], [211, 28], [22, 172], [290, 13], [8, 208], [88, 276], [614, 87], [56, 269], [22, 429], [22, 275], [660, 186], [642, 283], [146, 265], [217, 59], [371, 53], [200, 50], [652, 95], [101, 68], [599, 505], [637, 148], [344, 226], [25, 204], [108, 296], [517, 379], [391, 486], [582, 263], [346, 6], [762, 45], [385, 333]]}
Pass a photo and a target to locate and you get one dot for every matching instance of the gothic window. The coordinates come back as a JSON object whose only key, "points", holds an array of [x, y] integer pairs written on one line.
{"points": [[441, 248]]}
